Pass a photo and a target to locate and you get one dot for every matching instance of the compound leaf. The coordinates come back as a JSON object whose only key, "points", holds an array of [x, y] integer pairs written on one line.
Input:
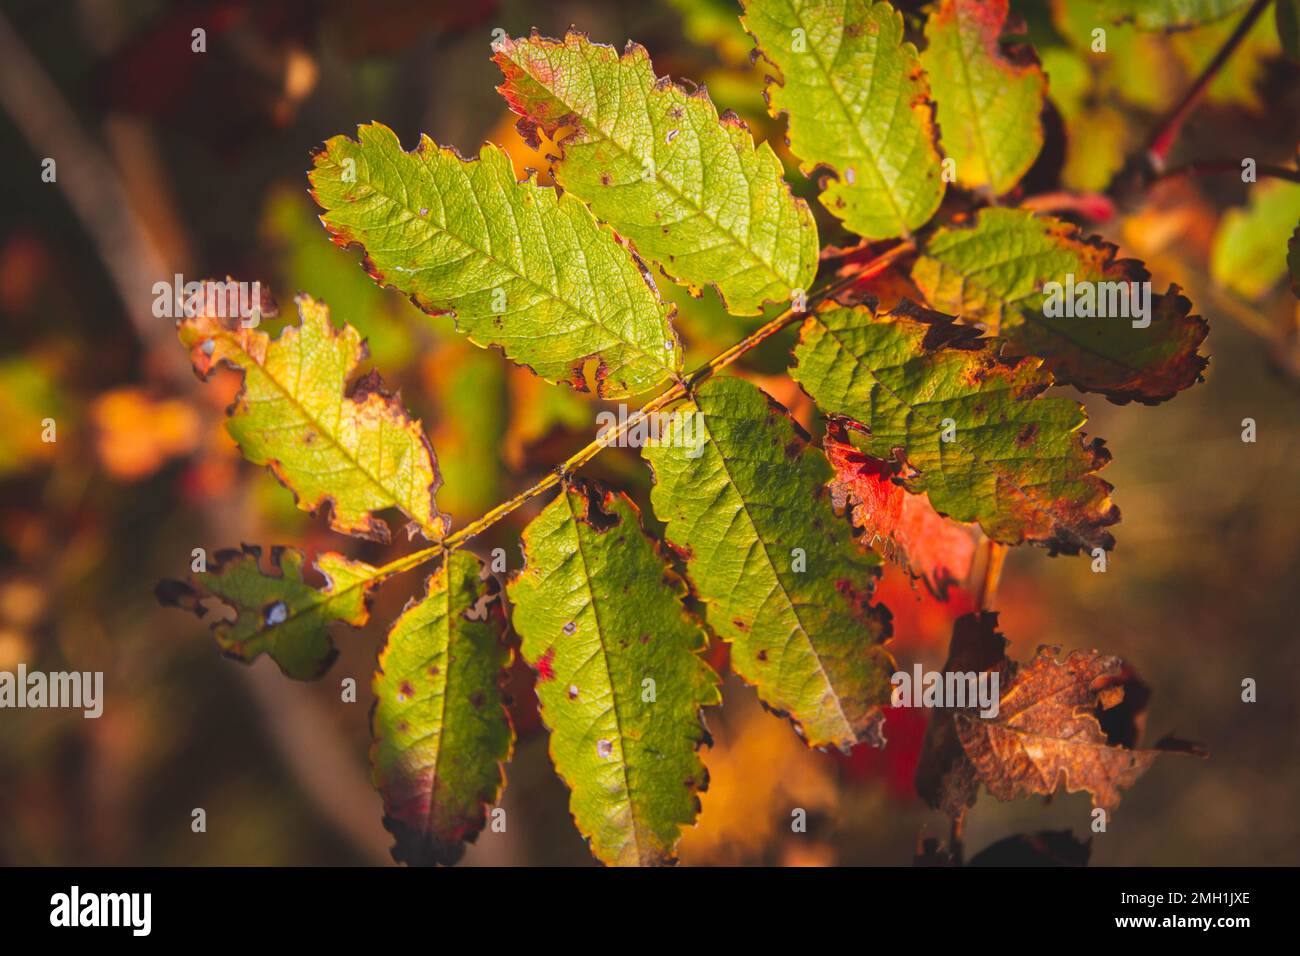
{"points": [[620, 681], [1098, 328], [520, 266], [440, 728], [687, 187], [988, 99], [858, 104], [965, 425], [745, 502], [277, 612], [357, 449]]}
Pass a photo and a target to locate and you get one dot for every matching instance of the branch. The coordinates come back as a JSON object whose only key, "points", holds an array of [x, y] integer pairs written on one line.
{"points": [[677, 391], [1146, 166], [90, 182], [1227, 166]]}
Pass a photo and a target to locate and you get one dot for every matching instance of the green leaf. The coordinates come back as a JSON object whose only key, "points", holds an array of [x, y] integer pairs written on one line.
{"points": [[994, 272], [858, 104], [916, 379], [688, 188], [520, 266], [276, 611], [1167, 15], [358, 450], [441, 732], [988, 99], [620, 682], [1250, 244], [30, 392], [1096, 147], [782, 580]]}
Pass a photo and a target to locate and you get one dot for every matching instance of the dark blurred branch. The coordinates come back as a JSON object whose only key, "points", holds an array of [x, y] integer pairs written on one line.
{"points": [[1228, 166], [88, 178], [93, 189]]}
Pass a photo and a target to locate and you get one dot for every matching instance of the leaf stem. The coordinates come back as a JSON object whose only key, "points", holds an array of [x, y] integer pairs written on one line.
{"points": [[677, 391], [995, 555]]}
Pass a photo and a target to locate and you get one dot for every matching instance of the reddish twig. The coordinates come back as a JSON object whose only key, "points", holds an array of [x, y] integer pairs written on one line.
{"points": [[1162, 140], [1096, 207]]}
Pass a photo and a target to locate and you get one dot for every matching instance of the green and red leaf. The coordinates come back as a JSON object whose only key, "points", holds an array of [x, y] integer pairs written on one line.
{"points": [[440, 728], [993, 274], [965, 425]]}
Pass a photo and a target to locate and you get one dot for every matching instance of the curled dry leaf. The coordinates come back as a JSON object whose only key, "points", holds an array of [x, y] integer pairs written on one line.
{"points": [[1047, 730]]}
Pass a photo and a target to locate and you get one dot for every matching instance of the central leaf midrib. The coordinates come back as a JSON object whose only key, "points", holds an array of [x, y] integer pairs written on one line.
{"points": [[870, 154], [794, 610], [446, 692], [609, 677], [397, 499]]}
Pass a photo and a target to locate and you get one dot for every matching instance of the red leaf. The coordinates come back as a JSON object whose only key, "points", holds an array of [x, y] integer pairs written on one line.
{"points": [[931, 547]]}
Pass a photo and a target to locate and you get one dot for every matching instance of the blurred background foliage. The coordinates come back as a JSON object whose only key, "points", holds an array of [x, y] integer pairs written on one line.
{"points": [[194, 164]]}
